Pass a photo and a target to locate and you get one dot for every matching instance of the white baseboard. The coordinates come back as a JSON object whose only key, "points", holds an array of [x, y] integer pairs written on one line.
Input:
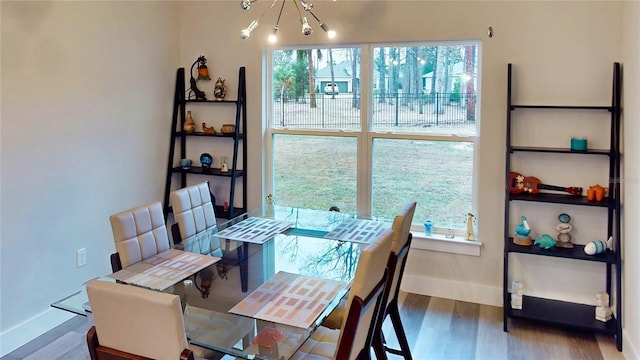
{"points": [[30, 329], [448, 289], [628, 350]]}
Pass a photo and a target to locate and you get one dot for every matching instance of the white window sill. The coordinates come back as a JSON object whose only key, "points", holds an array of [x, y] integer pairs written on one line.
{"points": [[438, 242]]}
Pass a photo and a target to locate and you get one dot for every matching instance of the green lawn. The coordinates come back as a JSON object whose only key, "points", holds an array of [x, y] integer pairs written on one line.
{"points": [[320, 172]]}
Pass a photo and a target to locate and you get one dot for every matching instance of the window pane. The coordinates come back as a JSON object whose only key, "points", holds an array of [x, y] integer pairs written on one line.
{"points": [[332, 102], [315, 172], [427, 89], [437, 174]]}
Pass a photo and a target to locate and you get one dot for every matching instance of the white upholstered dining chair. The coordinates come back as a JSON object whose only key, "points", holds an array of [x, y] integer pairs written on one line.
{"points": [[195, 216], [136, 323], [396, 263], [138, 233], [353, 340]]}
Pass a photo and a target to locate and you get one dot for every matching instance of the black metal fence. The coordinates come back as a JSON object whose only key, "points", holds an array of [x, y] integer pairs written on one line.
{"points": [[402, 110]]}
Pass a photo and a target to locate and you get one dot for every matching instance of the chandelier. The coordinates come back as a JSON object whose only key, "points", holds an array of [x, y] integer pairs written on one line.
{"points": [[306, 28]]}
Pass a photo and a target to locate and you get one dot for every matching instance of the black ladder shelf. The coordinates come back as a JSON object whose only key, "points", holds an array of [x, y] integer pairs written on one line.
{"points": [[238, 137], [552, 311]]}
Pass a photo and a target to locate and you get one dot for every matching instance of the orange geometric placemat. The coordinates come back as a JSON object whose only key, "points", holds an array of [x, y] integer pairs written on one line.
{"points": [[290, 299]]}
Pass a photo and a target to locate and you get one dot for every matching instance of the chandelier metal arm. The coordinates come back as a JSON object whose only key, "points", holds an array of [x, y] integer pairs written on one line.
{"points": [[306, 28]]}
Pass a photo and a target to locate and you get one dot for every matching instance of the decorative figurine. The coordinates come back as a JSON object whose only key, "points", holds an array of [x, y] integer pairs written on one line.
{"points": [[596, 192], [516, 294], [208, 130], [564, 228], [193, 90], [603, 311], [597, 246], [428, 227], [189, 125], [223, 167], [470, 235], [206, 160], [270, 204], [220, 90], [545, 241], [449, 234], [522, 233]]}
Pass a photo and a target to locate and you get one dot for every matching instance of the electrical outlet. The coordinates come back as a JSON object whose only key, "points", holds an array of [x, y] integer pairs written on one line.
{"points": [[81, 257]]}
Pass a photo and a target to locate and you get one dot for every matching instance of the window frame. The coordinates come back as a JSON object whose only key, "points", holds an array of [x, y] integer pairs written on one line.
{"points": [[365, 136]]}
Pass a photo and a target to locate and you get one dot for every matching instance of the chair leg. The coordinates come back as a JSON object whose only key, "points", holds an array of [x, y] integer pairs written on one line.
{"points": [[378, 344], [394, 314]]}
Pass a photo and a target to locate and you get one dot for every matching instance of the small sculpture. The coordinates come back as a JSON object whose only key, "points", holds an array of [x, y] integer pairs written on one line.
{"points": [[224, 167], [597, 246], [220, 90], [206, 160], [450, 234], [189, 125], [470, 235], [596, 192], [516, 294], [546, 241], [522, 233], [428, 227], [603, 311], [208, 130], [564, 228]]}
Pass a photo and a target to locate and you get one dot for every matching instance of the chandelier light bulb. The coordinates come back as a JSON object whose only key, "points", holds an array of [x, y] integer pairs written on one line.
{"points": [[306, 28], [245, 33], [246, 4], [306, 6], [273, 37]]}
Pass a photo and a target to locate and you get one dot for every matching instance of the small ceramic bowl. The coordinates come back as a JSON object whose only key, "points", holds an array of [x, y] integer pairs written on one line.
{"points": [[228, 129], [186, 163]]}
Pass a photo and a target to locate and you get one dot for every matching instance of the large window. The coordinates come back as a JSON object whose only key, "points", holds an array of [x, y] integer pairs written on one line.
{"points": [[368, 128]]}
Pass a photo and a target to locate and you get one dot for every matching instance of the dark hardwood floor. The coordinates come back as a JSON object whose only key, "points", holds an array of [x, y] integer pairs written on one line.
{"points": [[436, 329]]}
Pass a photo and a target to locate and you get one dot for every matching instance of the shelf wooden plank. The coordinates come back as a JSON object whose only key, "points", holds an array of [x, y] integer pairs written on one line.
{"points": [[577, 253], [562, 313], [561, 199], [210, 171], [218, 135], [560, 150], [212, 101], [560, 107]]}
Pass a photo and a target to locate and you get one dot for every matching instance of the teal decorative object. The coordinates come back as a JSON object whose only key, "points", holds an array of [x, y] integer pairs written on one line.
{"points": [[545, 241]]}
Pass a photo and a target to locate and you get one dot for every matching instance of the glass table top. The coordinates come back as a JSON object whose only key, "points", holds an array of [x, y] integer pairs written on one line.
{"points": [[302, 249]]}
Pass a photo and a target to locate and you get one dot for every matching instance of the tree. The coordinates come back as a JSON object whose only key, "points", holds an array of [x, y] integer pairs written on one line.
{"points": [[312, 88], [381, 67], [355, 81], [333, 81], [470, 57]]}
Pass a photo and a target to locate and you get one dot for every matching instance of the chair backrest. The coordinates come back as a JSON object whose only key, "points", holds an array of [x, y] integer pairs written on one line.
{"points": [[136, 321], [195, 216], [139, 233], [364, 301], [399, 248]]}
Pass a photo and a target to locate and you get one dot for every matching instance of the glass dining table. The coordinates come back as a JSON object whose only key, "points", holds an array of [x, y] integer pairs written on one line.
{"points": [[282, 270]]}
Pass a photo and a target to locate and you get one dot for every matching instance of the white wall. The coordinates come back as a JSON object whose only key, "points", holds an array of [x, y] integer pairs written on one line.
{"points": [[565, 59], [631, 176], [558, 51], [87, 92]]}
